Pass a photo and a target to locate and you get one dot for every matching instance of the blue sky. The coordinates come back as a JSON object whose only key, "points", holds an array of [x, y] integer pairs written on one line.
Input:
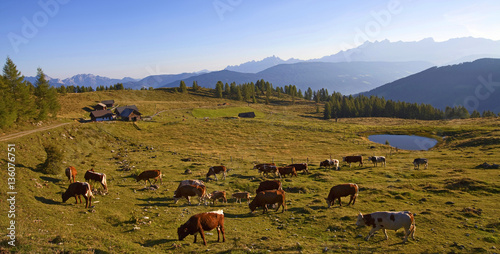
{"points": [[136, 39]]}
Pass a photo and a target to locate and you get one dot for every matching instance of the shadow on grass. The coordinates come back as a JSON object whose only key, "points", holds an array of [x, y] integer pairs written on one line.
{"points": [[50, 179], [47, 201], [247, 177], [152, 243], [241, 215]]}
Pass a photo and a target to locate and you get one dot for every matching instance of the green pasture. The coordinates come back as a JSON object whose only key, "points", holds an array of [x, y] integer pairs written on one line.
{"points": [[455, 202]]}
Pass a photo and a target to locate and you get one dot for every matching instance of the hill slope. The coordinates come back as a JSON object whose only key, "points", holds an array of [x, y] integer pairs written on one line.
{"points": [[347, 78], [474, 85]]}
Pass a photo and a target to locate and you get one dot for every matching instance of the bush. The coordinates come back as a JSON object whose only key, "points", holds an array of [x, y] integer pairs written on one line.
{"points": [[53, 163]]}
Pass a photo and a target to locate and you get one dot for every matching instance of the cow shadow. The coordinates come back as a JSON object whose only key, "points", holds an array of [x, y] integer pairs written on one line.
{"points": [[51, 179], [244, 176], [241, 215], [152, 243], [47, 201], [159, 201]]}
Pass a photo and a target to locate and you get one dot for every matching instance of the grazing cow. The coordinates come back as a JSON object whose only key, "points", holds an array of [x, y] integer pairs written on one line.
{"points": [[216, 170], [148, 175], [75, 190], [388, 220], [190, 191], [269, 185], [419, 161], [377, 159], [266, 168], [241, 195], [300, 167], [342, 190], [71, 174], [282, 171], [198, 223], [351, 159], [97, 177], [329, 163], [190, 182], [268, 197], [218, 195]]}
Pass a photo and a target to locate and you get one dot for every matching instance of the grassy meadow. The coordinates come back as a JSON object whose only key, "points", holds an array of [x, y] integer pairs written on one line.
{"points": [[456, 204]]}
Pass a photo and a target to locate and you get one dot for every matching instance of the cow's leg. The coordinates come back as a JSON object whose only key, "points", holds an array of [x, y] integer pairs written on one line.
{"points": [[264, 210], [189, 201], [203, 235], [76, 199], [385, 233], [340, 203], [354, 198], [278, 207], [86, 201], [224, 175], [412, 229], [223, 232], [374, 229], [350, 200]]}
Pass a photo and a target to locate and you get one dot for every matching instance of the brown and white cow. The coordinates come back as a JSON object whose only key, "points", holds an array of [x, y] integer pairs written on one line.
{"points": [[217, 170], [187, 191], [96, 177], [329, 163], [289, 170], [377, 159], [342, 190], [71, 174], [351, 159], [148, 175], [388, 220], [215, 195], [198, 223], [266, 168], [269, 185], [268, 197], [77, 189], [241, 195], [190, 182], [300, 167], [420, 161]]}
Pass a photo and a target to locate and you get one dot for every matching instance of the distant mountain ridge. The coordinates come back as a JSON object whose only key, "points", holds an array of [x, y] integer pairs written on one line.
{"points": [[474, 85], [85, 80], [346, 78], [257, 66]]}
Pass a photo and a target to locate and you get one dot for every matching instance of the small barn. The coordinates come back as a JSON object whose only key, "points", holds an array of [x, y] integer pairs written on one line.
{"points": [[102, 115], [119, 110], [100, 106], [109, 103], [247, 115], [130, 114]]}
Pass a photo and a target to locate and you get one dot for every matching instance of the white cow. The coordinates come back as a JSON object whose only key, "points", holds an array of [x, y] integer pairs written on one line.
{"points": [[377, 159], [388, 220]]}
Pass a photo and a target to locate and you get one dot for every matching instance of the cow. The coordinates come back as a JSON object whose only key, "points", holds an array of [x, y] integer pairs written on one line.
{"points": [[97, 177], [241, 195], [149, 174], [216, 170], [300, 167], [198, 223], [342, 190], [190, 182], [419, 161], [329, 163], [268, 197], [388, 220], [282, 171], [269, 185], [218, 195], [71, 174], [75, 190], [187, 191], [377, 159], [266, 168], [351, 159]]}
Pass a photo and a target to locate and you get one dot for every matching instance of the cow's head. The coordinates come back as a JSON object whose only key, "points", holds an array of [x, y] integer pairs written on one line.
{"points": [[65, 196], [361, 221], [252, 206], [329, 202], [182, 232]]}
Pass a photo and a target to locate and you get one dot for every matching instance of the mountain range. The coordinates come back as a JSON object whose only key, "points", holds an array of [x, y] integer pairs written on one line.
{"points": [[475, 85]]}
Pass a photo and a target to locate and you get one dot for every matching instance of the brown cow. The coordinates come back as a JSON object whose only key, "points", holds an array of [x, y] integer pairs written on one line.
{"points": [[97, 177], [268, 197], [190, 191], [218, 195], [75, 190], [269, 185], [289, 170], [203, 221], [149, 174], [266, 168], [351, 159], [241, 195], [216, 170], [190, 182], [342, 190], [300, 167], [71, 174]]}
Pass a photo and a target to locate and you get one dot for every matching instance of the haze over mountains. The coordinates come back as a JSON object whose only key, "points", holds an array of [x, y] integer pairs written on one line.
{"points": [[361, 69]]}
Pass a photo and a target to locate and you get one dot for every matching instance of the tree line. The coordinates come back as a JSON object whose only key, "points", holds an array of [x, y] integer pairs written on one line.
{"points": [[22, 101]]}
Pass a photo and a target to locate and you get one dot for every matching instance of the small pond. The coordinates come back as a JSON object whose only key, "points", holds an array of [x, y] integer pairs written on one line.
{"points": [[406, 142]]}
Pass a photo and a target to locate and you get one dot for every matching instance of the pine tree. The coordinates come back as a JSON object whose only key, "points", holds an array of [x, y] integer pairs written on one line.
{"points": [[183, 87], [23, 103], [41, 92], [7, 114], [195, 86], [218, 89]]}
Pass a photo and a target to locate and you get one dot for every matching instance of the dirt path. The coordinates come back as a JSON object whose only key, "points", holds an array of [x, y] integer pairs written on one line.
{"points": [[24, 133]]}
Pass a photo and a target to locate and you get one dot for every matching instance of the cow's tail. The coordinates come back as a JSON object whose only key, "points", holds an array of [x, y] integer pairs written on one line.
{"points": [[88, 193], [104, 182], [412, 219]]}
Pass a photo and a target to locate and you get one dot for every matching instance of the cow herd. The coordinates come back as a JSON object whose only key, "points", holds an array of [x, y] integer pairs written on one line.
{"points": [[268, 193]]}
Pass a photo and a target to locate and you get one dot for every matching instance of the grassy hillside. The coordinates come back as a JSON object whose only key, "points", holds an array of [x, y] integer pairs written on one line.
{"points": [[456, 204]]}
